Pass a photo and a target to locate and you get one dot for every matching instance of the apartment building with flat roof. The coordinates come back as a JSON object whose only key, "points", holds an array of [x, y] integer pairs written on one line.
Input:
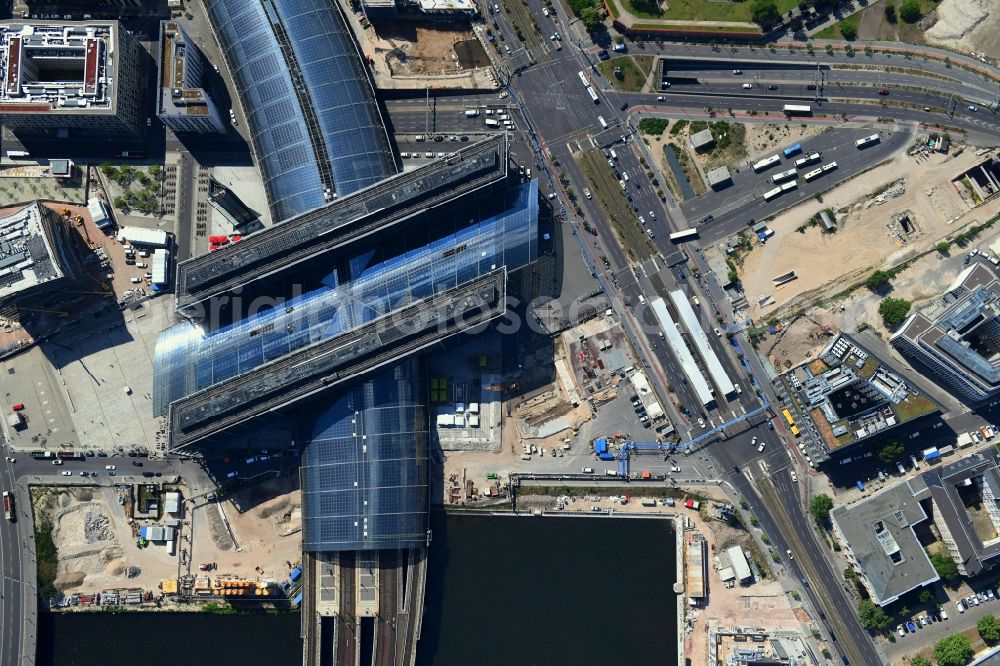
{"points": [[69, 77]]}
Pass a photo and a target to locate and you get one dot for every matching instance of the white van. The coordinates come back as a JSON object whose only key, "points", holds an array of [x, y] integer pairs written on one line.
{"points": [[588, 470], [642, 299], [604, 123], [136, 280], [611, 472], [614, 155]]}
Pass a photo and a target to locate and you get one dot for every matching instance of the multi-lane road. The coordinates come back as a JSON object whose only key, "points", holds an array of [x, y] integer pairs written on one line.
{"points": [[565, 122]]}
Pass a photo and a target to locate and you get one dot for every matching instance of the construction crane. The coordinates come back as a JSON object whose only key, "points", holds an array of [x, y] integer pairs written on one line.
{"points": [[62, 314]]}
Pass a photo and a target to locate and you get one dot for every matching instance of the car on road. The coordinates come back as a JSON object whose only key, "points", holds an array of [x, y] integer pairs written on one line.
{"points": [[586, 193], [57, 462], [944, 614], [652, 214], [737, 71], [10, 460], [747, 86], [588, 470], [67, 473], [701, 422], [753, 442], [675, 468], [795, 479], [661, 98], [649, 232], [624, 106], [603, 54], [772, 87], [137, 463], [109, 467], [972, 108], [883, 91], [788, 551], [642, 221], [760, 449]]}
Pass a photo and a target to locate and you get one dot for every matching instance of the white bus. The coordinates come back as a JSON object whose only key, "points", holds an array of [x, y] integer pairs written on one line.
{"points": [[798, 109], [784, 175], [18, 154], [829, 167], [788, 187], [815, 173], [807, 160], [681, 236], [593, 94], [583, 79], [771, 194], [867, 141], [766, 163]]}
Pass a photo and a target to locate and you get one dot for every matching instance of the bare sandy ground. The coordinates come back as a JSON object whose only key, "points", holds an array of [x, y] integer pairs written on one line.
{"points": [[826, 263], [268, 535], [967, 25]]}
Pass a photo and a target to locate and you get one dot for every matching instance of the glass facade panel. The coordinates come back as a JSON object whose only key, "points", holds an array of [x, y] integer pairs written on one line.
{"points": [[364, 471], [342, 115], [388, 277]]}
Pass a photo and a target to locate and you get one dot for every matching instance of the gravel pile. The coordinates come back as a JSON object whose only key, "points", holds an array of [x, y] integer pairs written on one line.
{"points": [[96, 527]]}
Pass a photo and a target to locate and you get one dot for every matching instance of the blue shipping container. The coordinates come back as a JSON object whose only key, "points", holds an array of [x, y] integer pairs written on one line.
{"points": [[294, 576], [606, 456], [797, 148]]}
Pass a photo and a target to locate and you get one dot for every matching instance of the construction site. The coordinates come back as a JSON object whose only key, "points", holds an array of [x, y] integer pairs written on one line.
{"points": [[155, 537]]}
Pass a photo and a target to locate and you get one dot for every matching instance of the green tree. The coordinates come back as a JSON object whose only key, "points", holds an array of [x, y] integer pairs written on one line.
{"points": [[872, 616], [989, 629], [878, 279], [654, 126], [850, 574], [890, 451], [953, 651], [592, 19], [944, 565], [848, 31], [926, 596], [920, 661], [647, 6], [820, 506], [765, 13], [943, 246], [890, 13], [893, 311], [909, 11]]}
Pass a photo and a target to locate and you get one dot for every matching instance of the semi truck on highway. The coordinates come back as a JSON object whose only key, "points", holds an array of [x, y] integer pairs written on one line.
{"points": [[8, 506]]}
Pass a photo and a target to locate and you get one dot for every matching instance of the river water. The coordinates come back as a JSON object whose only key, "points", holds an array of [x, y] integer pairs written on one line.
{"points": [[500, 590]]}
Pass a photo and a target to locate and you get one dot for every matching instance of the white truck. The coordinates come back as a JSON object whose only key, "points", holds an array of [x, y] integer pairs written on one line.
{"points": [[471, 113], [964, 440]]}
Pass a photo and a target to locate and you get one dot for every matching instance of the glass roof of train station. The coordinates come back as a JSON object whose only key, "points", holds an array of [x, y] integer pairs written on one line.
{"points": [[310, 106], [364, 472], [374, 277]]}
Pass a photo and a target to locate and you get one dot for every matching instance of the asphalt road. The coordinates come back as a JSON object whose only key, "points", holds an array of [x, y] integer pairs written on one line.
{"points": [[15, 590], [733, 207]]}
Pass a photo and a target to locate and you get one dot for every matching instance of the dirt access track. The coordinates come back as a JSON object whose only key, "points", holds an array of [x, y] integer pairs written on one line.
{"points": [[865, 240]]}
